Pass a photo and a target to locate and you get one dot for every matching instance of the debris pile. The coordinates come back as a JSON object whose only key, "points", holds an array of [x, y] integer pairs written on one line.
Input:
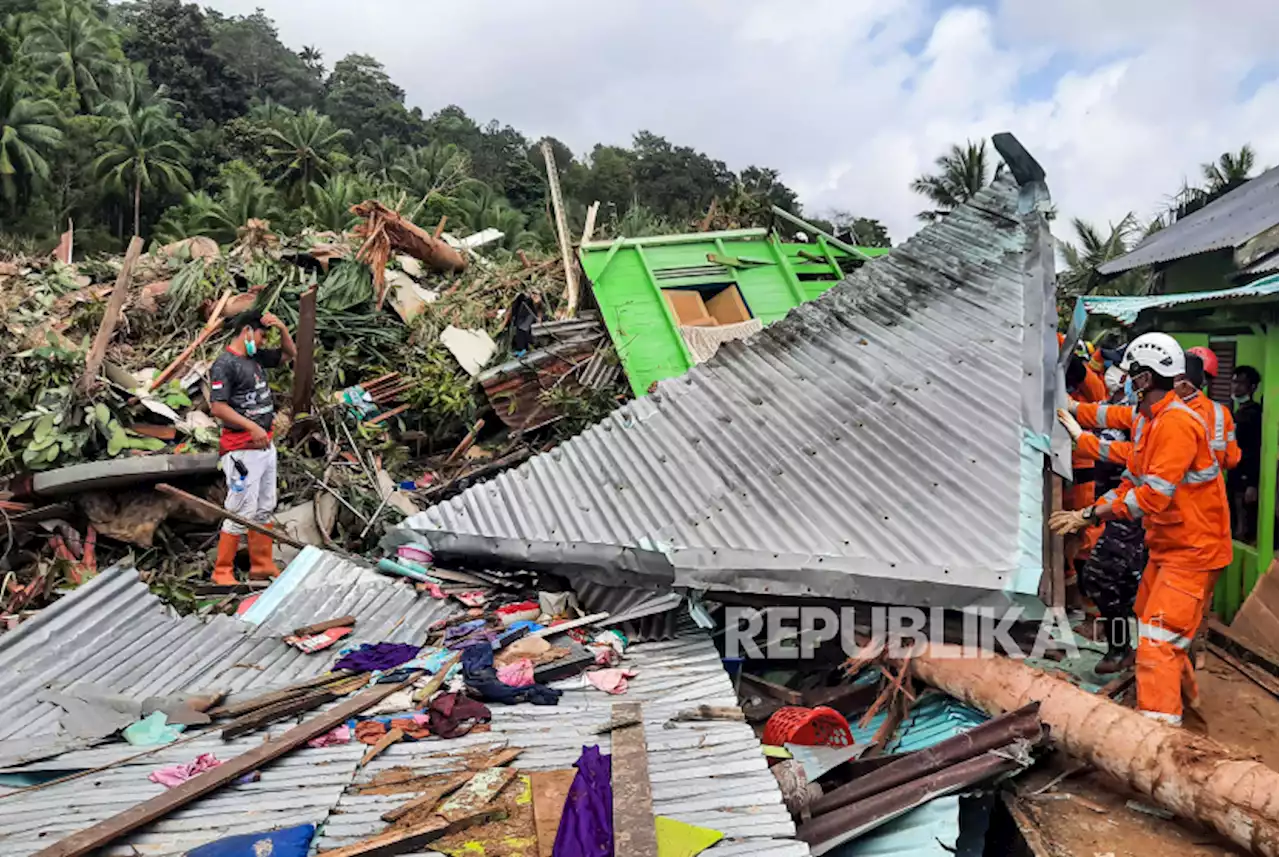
{"points": [[106, 361]]}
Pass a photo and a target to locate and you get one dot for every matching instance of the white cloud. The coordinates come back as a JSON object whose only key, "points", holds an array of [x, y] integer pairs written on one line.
{"points": [[850, 99]]}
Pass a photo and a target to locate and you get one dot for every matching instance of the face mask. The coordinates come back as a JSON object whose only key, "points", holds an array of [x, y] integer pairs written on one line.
{"points": [[250, 346]]}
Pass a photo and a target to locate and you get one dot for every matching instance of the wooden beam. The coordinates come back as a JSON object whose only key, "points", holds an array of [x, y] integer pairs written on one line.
{"points": [[103, 833], [274, 696], [634, 831], [589, 228], [255, 720], [401, 841], [304, 366], [213, 508], [1255, 674], [446, 785], [562, 234], [391, 737], [210, 328], [550, 790], [776, 691], [340, 622], [386, 415], [111, 317]]}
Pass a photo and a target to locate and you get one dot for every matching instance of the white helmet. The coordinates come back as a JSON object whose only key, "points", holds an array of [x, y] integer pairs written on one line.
{"points": [[1158, 352]]}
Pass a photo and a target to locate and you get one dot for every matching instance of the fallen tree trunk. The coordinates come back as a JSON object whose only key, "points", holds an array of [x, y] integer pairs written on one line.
{"points": [[1189, 775]]}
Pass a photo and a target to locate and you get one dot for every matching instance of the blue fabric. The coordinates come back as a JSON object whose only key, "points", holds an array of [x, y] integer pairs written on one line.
{"points": [[290, 842], [482, 680]]}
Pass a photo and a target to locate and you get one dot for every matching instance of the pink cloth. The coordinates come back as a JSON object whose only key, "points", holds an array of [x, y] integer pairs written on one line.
{"points": [[176, 775], [337, 735], [611, 681], [517, 673]]}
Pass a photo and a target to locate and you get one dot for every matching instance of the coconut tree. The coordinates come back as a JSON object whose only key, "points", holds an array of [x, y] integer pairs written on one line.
{"points": [[302, 148], [1094, 247], [329, 205], [440, 168], [68, 41], [28, 137], [144, 150], [961, 173], [1231, 170], [378, 159]]}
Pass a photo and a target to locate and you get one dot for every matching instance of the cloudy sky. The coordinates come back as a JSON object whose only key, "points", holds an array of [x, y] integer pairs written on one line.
{"points": [[1120, 100]]}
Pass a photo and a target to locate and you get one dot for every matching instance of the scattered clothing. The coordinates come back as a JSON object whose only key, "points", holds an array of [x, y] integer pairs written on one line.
{"points": [[536, 649], [451, 715], [176, 775], [482, 680], [370, 731], [475, 598], [434, 590], [401, 700], [152, 731], [586, 827], [518, 674], [559, 604], [290, 842], [312, 643], [524, 611], [476, 631], [337, 735], [610, 681], [369, 657], [415, 728]]}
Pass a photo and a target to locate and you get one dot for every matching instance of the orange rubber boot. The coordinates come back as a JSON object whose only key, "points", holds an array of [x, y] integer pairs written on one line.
{"points": [[261, 564], [224, 568]]}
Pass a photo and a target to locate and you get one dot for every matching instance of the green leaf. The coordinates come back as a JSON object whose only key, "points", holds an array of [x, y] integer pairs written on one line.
{"points": [[44, 427], [51, 453], [103, 413], [150, 444], [116, 443], [42, 443], [20, 428]]}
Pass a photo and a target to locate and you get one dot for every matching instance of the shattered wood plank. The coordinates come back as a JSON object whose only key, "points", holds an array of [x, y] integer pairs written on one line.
{"points": [[386, 415], [1228, 639], [413, 838], [393, 735], [255, 720], [304, 371], [272, 697], [213, 508], [494, 760], [634, 831], [210, 328], [105, 832], [447, 785], [776, 691], [111, 317], [550, 790], [340, 622], [1249, 671], [562, 233], [476, 794]]}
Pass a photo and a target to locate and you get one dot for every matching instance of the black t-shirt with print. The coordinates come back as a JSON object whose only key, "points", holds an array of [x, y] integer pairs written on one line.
{"points": [[241, 382]]}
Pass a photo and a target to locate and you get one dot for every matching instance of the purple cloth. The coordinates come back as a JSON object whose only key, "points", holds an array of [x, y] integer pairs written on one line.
{"points": [[468, 634], [377, 656], [586, 828]]}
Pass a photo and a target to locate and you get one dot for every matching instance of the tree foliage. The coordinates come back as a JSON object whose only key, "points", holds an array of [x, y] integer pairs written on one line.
{"points": [[961, 173]]}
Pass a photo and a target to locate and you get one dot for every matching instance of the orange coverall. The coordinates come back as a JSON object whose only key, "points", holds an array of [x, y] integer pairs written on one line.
{"points": [[1174, 484], [1081, 494], [1216, 416]]}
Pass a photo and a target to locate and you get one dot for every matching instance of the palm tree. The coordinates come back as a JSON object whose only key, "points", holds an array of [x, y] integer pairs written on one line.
{"points": [[1094, 248], [329, 206], [144, 149], [270, 112], [962, 172], [28, 136], [1230, 170], [440, 168], [302, 147], [70, 43], [480, 207], [378, 158]]}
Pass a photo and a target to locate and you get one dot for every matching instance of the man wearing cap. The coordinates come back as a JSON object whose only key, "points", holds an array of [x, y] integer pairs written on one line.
{"points": [[242, 402]]}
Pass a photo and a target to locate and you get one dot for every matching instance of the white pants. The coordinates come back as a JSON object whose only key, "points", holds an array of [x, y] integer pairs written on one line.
{"points": [[252, 495]]}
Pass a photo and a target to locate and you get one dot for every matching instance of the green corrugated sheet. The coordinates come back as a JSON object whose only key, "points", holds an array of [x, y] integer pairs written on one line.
{"points": [[627, 277]]}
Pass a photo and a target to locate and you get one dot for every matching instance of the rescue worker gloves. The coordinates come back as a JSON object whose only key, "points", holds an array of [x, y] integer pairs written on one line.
{"points": [[1066, 522], [1072, 406], [1069, 423]]}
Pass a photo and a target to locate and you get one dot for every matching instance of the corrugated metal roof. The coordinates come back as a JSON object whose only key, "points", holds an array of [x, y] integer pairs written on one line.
{"points": [[843, 451], [1127, 309], [1226, 222], [710, 774], [114, 633]]}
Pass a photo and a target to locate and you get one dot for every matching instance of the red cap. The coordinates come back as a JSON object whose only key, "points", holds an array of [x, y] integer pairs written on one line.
{"points": [[1209, 359]]}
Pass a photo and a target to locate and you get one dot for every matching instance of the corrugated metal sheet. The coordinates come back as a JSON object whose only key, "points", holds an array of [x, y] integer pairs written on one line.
{"points": [[710, 774], [114, 633], [1126, 309], [844, 451], [1226, 222]]}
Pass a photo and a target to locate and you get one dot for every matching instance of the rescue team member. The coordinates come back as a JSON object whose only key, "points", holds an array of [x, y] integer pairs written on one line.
{"points": [[1083, 385], [242, 403], [1174, 485]]}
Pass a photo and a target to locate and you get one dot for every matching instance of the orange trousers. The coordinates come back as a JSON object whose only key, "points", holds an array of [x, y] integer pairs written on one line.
{"points": [[1170, 607]]}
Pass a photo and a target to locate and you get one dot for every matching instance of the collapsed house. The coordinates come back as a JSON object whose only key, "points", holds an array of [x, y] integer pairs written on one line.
{"points": [[781, 466]]}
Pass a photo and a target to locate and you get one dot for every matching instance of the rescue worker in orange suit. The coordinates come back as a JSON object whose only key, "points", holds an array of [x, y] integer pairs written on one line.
{"points": [[242, 402], [1083, 385], [1174, 485]]}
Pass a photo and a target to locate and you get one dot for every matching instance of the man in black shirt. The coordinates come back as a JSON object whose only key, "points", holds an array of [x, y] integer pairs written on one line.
{"points": [[1242, 482], [242, 403]]}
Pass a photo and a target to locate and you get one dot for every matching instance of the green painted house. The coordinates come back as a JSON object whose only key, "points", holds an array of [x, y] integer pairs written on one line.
{"points": [[653, 291], [1216, 274]]}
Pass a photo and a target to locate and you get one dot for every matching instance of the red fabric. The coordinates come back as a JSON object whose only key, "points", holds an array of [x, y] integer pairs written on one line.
{"points": [[234, 440]]}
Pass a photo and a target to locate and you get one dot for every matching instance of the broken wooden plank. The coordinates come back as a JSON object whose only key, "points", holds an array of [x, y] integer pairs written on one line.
{"points": [[386, 415], [496, 760], [1255, 674], [447, 785], [304, 365], [111, 316], [210, 328], [770, 689], [570, 625], [705, 713], [479, 791], [570, 308], [402, 841], [270, 698], [634, 832], [550, 790], [1228, 639], [340, 622], [215, 509], [105, 832], [255, 720], [392, 736]]}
